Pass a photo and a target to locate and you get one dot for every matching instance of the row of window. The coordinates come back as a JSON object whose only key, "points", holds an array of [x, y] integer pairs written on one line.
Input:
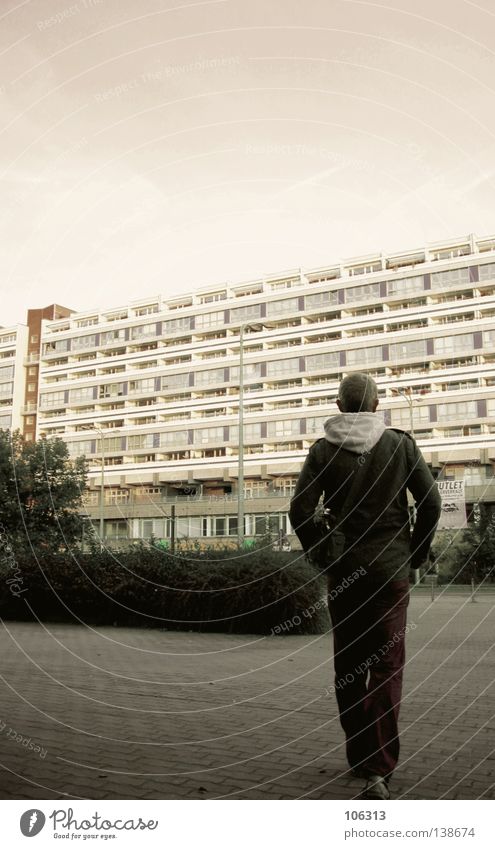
{"points": [[419, 349], [273, 309], [284, 428]]}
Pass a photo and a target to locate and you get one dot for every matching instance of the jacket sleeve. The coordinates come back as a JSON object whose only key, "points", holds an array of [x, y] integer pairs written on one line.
{"points": [[308, 490], [421, 484]]}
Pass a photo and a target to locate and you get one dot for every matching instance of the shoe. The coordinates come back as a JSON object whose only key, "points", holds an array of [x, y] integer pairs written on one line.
{"points": [[359, 772], [376, 788]]}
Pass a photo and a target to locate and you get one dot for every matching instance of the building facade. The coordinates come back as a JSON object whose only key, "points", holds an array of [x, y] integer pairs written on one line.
{"points": [[150, 390], [13, 347]]}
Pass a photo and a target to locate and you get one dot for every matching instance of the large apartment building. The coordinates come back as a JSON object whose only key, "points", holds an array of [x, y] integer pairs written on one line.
{"points": [[150, 390], [13, 346]]}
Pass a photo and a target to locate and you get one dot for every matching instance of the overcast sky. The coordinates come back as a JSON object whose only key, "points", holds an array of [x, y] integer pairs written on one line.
{"points": [[160, 146]]}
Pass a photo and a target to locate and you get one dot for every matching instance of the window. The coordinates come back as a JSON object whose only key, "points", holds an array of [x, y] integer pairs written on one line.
{"points": [[405, 286], [364, 269], [356, 294], [320, 362], [252, 432], [288, 305], [110, 390], [489, 338], [315, 424], [171, 438], [457, 410], [207, 435], [117, 316], [321, 299], [52, 399], [110, 336], [211, 297], [408, 350], [56, 347], [31, 387], [364, 356], [251, 371], [82, 394], [211, 376], [282, 367], [141, 331], [140, 440], [6, 373], [77, 449], [253, 311], [148, 310], [142, 386], [462, 343], [451, 253], [116, 530], [287, 427], [112, 443], [402, 417], [34, 338], [284, 486], [175, 381], [80, 343], [6, 390], [209, 319], [255, 489], [455, 277], [487, 272], [86, 322], [177, 325]]}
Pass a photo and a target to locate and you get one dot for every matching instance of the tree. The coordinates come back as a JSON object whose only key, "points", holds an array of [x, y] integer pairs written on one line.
{"points": [[469, 553], [41, 491]]}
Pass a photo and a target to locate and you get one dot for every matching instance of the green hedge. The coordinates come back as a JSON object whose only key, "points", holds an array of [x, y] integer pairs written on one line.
{"points": [[260, 591]]}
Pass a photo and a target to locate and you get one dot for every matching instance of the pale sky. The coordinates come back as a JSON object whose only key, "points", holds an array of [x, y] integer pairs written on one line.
{"points": [[155, 147]]}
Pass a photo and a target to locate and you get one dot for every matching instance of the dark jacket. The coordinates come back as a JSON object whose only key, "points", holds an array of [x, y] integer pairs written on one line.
{"points": [[377, 529]]}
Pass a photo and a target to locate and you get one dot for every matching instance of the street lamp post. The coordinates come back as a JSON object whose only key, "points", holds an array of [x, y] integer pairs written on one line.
{"points": [[240, 454], [102, 488], [406, 394], [240, 466]]}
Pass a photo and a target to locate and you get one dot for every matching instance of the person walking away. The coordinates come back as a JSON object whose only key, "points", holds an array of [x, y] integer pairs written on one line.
{"points": [[368, 614]]}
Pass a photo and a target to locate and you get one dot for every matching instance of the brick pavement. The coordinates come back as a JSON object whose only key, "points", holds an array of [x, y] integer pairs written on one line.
{"points": [[129, 713]]}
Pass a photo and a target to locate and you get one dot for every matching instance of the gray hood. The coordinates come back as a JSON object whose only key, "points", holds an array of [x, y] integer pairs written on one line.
{"points": [[357, 432]]}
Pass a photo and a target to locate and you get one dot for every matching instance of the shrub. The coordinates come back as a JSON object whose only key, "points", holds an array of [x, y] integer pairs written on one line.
{"points": [[212, 590]]}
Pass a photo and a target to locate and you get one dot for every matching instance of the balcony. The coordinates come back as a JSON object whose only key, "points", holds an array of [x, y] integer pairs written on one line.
{"points": [[28, 409], [32, 358]]}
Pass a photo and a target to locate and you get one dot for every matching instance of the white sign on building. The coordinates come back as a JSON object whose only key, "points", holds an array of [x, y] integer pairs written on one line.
{"points": [[453, 497]]}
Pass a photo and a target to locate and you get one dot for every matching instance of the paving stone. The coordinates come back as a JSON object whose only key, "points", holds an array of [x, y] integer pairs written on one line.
{"points": [[129, 713]]}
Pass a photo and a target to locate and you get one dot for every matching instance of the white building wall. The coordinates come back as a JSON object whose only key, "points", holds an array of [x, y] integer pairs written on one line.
{"points": [[159, 377]]}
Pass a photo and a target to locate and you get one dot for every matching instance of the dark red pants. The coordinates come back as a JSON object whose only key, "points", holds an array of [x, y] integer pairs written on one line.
{"points": [[368, 632]]}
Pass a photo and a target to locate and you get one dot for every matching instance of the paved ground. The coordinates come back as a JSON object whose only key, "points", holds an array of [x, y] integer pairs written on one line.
{"points": [[127, 713]]}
